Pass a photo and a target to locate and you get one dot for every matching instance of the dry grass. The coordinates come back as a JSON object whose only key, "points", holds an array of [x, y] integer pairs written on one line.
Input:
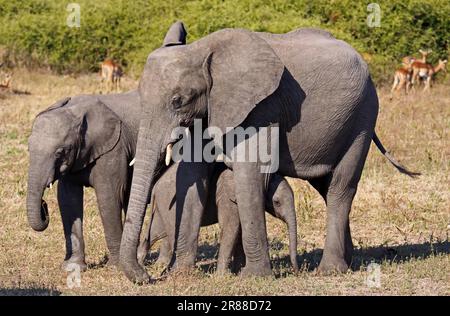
{"points": [[397, 222]]}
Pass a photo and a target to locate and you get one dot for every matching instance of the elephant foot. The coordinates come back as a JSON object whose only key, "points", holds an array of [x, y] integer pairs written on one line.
{"points": [[222, 268], [74, 264], [183, 263], [256, 270], [135, 273], [329, 266], [182, 269]]}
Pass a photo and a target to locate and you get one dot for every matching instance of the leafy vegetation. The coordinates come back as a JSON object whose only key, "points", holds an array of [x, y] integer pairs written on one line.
{"points": [[36, 33]]}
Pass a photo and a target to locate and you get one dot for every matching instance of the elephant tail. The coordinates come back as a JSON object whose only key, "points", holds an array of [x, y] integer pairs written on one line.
{"points": [[391, 159]]}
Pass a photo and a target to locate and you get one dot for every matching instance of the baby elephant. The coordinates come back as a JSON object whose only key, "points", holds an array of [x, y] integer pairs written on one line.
{"points": [[84, 141], [220, 207]]}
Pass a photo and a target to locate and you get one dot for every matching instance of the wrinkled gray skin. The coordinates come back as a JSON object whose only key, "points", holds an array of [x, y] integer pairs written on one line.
{"points": [[220, 207], [84, 141], [315, 87]]}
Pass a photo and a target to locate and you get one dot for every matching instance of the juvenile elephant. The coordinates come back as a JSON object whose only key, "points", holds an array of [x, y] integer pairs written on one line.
{"points": [[315, 89], [84, 141], [220, 206]]}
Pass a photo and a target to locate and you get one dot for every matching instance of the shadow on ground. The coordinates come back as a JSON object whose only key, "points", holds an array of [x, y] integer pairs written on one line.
{"points": [[98, 265], [5, 92], [29, 291], [378, 254], [309, 261]]}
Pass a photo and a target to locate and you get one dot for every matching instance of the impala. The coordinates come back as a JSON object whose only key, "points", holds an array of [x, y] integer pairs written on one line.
{"points": [[6, 81], [402, 76], [111, 72], [425, 72]]}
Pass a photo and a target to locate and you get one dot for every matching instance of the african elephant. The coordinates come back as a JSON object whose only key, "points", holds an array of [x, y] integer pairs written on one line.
{"points": [[316, 90], [84, 141], [220, 206]]}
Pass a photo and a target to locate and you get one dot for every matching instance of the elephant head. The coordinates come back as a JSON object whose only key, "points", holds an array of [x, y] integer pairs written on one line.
{"points": [[66, 138], [222, 77]]}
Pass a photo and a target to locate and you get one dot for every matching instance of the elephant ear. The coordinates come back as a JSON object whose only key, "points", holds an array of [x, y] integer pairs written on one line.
{"points": [[242, 70], [100, 131], [176, 35]]}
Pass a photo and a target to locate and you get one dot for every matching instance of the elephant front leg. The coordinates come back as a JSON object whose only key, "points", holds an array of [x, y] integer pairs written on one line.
{"points": [[249, 186], [70, 200], [187, 229], [191, 198], [230, 233], [165, 253], [155, 231], [111, 215]]}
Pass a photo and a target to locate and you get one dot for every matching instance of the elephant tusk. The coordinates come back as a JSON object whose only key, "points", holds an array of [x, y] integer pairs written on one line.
{"points": [[132, 161], [168, 154]]}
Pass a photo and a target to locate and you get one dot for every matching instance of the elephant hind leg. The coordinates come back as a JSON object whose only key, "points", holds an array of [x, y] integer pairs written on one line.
{"points": [[337, 254], [238, 256], [165, 253]]}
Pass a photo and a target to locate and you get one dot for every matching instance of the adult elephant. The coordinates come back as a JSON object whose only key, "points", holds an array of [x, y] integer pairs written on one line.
{"points": [[315, 88]]}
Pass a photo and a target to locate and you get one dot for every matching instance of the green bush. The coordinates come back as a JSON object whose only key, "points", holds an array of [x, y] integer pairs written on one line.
{"points": [[36, 34]]}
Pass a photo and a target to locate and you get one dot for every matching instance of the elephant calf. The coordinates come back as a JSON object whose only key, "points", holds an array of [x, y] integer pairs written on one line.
{"points": [[221, 207], [84, 141]]}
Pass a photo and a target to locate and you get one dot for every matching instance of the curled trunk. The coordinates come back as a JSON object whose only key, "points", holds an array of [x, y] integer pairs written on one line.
{"points": [[37, 211]]}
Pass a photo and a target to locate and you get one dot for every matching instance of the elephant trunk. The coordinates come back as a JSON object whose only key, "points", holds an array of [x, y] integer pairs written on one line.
{"points": [[148, 152], [291, 222], [37, 211]]}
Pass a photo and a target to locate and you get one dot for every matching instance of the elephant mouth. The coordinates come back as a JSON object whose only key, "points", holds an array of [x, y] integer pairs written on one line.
{"points": [[50, 184], [44, 210]]}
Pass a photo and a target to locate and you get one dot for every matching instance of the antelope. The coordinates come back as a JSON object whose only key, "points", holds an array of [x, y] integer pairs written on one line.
{"points": [[402, 76], [6, 82], [407, 60], [111, 72], [425, 71]]}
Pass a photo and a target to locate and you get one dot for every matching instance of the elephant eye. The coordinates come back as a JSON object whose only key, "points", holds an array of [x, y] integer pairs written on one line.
{"points": [[176, 102]]}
